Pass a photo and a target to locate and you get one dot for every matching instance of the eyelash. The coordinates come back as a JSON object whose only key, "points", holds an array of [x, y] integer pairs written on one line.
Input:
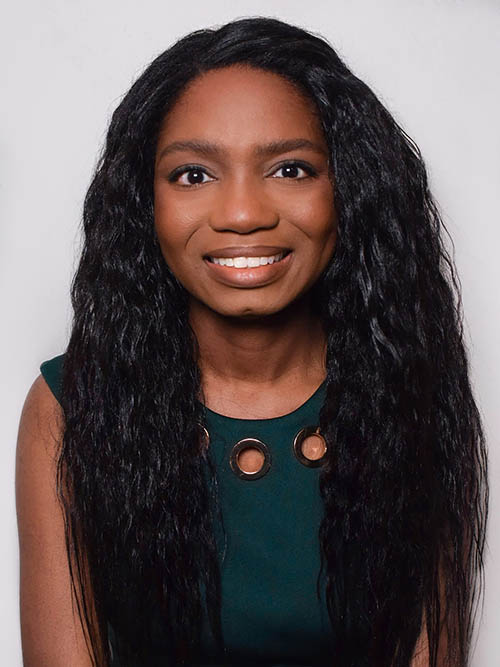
{"points": [[193, 167]]}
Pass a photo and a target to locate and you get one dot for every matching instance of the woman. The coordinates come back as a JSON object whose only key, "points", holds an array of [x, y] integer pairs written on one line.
{"points": [[262, 434]]}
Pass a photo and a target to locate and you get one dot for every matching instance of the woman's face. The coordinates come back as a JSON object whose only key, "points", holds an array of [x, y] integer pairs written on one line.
{"points": [[244, 208]]}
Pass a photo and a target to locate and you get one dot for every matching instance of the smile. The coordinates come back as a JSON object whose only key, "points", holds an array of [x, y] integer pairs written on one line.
{"points": [[247, 262], [249, 271]]}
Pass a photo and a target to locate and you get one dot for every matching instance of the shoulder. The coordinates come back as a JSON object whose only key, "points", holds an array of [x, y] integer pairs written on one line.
{"points": [[40, 432], [39, 437], [41, 417]]}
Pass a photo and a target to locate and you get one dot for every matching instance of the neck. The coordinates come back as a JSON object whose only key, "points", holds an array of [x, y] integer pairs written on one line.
{"points": [[238, 355]]}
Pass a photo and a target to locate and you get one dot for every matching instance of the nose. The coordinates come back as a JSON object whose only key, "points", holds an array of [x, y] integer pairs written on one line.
{"points": [[243, 207]]}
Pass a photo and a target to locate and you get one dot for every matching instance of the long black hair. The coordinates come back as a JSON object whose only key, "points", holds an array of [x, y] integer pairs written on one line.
{"points": [[405, 485]]}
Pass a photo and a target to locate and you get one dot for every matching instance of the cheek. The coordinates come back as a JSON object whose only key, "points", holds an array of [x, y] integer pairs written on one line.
{"points": [[173, 227], [316, 218]]}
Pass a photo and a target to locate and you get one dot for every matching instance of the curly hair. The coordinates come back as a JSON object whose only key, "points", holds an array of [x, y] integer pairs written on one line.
{"points": [[405, 485]]}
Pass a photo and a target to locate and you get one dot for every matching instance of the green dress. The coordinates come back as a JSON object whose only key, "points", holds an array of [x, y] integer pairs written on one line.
{"points": [[271, 614]]}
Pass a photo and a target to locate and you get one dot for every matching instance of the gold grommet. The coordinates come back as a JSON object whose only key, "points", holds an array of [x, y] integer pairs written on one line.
{"points": [[310, 454], [250, 459]]}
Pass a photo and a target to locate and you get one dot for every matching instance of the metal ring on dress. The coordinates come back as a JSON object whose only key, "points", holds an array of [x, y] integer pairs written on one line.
{"points": [[319, 451], [249, 444]]}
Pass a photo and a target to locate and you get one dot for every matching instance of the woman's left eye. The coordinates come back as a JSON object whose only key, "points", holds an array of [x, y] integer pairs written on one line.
{"points": [[294, 171]]}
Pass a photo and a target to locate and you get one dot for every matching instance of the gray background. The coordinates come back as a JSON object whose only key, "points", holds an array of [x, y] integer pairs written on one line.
{"points": [[435, 64]]}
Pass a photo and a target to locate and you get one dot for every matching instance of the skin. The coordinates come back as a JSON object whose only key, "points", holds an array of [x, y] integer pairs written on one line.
{"points": [[51, 633], [262, 351]]}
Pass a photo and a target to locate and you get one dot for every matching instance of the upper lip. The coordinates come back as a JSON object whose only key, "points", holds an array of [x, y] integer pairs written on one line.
{"points": [[247, 251]]}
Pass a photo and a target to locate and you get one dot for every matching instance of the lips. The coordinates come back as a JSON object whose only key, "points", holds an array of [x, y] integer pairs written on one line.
{"points": [[248, 276]]}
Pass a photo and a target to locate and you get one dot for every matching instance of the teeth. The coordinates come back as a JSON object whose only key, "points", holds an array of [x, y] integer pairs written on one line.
{"points": [[247, 262]]}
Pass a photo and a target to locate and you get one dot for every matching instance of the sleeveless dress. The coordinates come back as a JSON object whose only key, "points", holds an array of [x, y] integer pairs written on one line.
{"points": [[270, 562]]}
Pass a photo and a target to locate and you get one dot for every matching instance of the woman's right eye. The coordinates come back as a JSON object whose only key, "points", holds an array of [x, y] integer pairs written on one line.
{"points": [[189, 176]]}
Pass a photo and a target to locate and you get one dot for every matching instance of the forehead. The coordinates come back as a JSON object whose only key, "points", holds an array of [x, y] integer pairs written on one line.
{"points": [[239, 105]]}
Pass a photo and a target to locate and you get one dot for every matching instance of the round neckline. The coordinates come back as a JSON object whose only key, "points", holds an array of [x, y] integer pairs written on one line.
{"points": [[267, 420]]}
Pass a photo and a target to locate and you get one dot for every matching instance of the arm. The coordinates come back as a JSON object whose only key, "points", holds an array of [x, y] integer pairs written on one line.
{"points": [[421, 654], [51, 632]]}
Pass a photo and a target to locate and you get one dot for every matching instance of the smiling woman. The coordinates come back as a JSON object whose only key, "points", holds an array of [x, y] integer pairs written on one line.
{"points": [[261, 446]]}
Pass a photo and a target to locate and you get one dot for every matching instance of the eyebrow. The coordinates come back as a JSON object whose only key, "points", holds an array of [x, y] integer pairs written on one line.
{"points": [[210, 149]]}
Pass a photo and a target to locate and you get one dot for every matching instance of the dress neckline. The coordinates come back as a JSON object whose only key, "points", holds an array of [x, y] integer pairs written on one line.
{"points": [[316, 397]]}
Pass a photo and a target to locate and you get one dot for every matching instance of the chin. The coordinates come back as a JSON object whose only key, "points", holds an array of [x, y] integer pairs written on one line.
{"points": [[249, 312], [245, 313]]}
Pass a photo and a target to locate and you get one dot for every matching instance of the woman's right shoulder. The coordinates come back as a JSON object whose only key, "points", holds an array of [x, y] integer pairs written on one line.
{"points": [[41, 415], [41, 422]]}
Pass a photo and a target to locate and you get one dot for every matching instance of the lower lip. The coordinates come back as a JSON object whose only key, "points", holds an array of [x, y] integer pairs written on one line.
{"points": [[254, 276]]}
